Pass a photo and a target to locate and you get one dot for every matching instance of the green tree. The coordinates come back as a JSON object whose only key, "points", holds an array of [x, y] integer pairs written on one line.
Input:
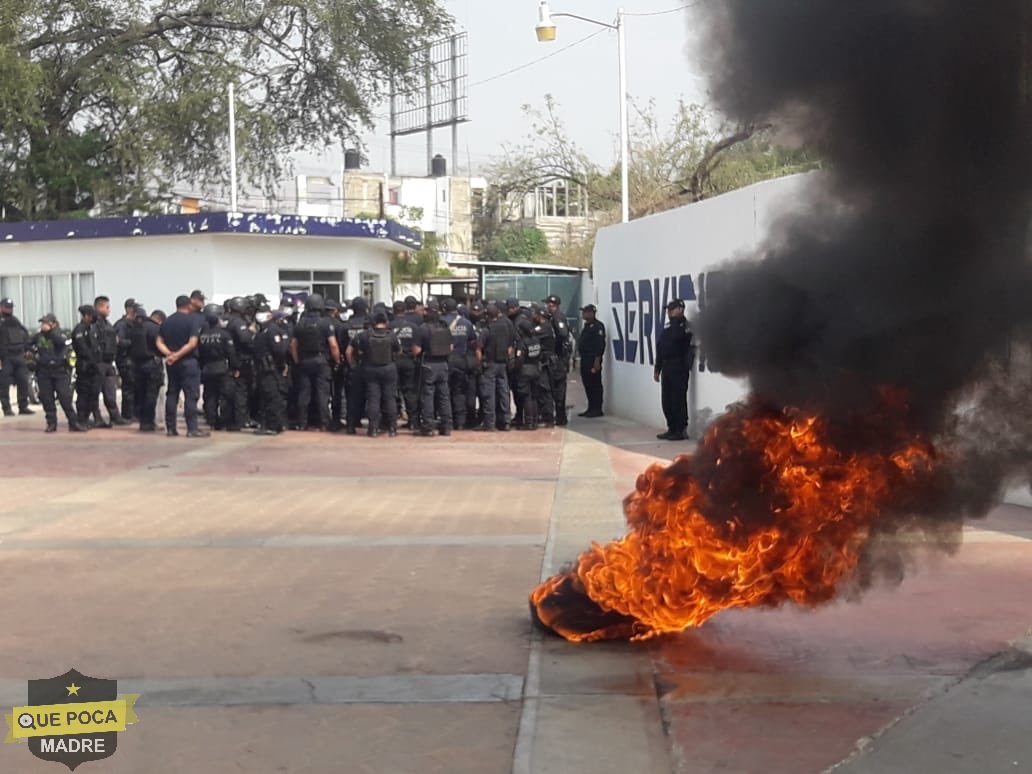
{"points": [[103, 102], [417, 266], [513, 243]]}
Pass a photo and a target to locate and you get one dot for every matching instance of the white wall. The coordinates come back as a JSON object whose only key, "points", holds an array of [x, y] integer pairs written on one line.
{"points": [[639, 266], [251, 264], [155, 269]]}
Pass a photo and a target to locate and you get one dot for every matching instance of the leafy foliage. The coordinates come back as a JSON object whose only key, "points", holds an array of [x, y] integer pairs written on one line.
{"points": [[513, 243], [104, 102]]}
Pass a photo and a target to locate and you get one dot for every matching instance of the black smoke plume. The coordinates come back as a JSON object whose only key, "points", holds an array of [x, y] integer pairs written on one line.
{"points": [[908, 266]]}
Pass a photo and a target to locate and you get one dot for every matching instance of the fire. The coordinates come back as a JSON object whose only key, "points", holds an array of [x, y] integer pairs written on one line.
{"points": [[774, 507]]}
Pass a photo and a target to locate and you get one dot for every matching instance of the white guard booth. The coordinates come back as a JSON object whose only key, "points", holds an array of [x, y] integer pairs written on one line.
{"points": [[54, 266], [640, 266]]}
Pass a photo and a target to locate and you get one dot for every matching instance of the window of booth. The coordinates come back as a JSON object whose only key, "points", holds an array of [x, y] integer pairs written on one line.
{"points": [[328, 284]]}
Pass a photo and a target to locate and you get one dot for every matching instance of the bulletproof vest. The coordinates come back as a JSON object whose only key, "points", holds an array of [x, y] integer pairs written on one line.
{"points": [[381, 348], [138, 342], [405, 332], [546, 335], [440, 340], [107, 340], [311, 337], [211, 347], [532, 346], [460, 334], [501, 340], [279, 342], [13, 335]]}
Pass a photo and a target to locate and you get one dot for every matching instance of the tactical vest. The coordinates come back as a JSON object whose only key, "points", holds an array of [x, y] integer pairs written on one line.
{"points": [[405, 333], [13, 336], [212, 348], [108, 341], [532, 347], [501, 339], [440, 341], [381, 348], [311, 339]]}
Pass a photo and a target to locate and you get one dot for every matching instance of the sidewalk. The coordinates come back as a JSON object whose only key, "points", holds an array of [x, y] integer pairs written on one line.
{"points": [[313, 603]]}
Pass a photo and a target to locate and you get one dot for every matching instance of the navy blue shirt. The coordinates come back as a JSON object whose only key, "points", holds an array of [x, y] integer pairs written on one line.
{"points": [[178, 329]]}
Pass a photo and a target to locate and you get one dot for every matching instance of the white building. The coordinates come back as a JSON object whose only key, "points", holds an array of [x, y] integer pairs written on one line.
{"points": [[640, 266], [54, 266]]}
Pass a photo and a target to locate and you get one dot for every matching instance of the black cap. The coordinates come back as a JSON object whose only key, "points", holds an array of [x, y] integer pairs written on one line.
{"points": [[476, 307], [589, 308], [49, 318], [198, 294], [553, 300], [379, 318], [449, 304], [88, 309], [677, 303], [6, 302], [512, 303], [130, 303], [182, 301]]}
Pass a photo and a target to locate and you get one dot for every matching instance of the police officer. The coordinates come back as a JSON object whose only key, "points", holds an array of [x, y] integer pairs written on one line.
{"points": [[87, 359], [474, 407], [544, 332], [220, 367], [272, 351], [124, 361], [356, 391], [338, 383], [404, 327], [178, 338], [379, 349], [106, 384], [148, 370], [14, 340], [243, 340], [50, 349], [675, 357], [433, 345], [495, 349], [528, 373], [592, 348], [464, 338], [557, 368], [313, 347]]}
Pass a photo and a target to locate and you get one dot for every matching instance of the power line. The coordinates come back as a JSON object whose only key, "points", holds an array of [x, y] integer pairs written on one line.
{"points": [[663, 13], [533, 62]]}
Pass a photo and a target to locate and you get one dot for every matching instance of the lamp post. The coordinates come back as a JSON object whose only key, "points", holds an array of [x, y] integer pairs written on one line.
{"points": [[546, 33]]}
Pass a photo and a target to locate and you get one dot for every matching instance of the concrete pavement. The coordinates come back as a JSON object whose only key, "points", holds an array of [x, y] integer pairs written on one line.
{"points": [[313, 603]]}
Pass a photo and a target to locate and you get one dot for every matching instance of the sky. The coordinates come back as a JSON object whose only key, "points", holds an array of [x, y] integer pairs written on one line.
{"points": [[661, 66]]}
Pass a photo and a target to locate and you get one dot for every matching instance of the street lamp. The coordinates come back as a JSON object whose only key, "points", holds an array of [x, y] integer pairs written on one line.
{"points": [[546, 33], [231, 95]]}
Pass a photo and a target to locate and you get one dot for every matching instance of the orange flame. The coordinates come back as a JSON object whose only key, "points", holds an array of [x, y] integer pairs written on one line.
{"points": [[769, 510]]}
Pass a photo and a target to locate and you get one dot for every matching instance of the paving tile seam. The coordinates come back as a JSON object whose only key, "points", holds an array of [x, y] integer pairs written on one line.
{"points": [[480, 688], [272, 542]]}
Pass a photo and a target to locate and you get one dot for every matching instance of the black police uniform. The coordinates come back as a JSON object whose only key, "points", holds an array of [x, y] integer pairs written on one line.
{"points": [[674, 361], [124, 363], [404, 328], [495, 343], [219, 362], [543, 330], [356, 392], [87, 358], [148, 370], [185, 374], [435, 341], [53, 376], [243, 385], [557, 366], [312, 334], [14, 340], [529, 385], [271, 349], [106, 380], [380, 349], [592, 348], [464, 337], [339, 382]]}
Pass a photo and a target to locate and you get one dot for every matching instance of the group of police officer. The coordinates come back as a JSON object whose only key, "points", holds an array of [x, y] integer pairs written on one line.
{"points": [[439, 367]]}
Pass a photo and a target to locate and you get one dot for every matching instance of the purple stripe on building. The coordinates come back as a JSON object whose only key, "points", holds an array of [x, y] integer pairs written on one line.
{"points": [[209, 223]]}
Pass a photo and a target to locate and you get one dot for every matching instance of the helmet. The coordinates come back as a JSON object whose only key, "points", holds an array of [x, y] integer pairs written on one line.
{"points": [[359, 304], [449, 304], [235, 304], [315, 303], [212, 312]]}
